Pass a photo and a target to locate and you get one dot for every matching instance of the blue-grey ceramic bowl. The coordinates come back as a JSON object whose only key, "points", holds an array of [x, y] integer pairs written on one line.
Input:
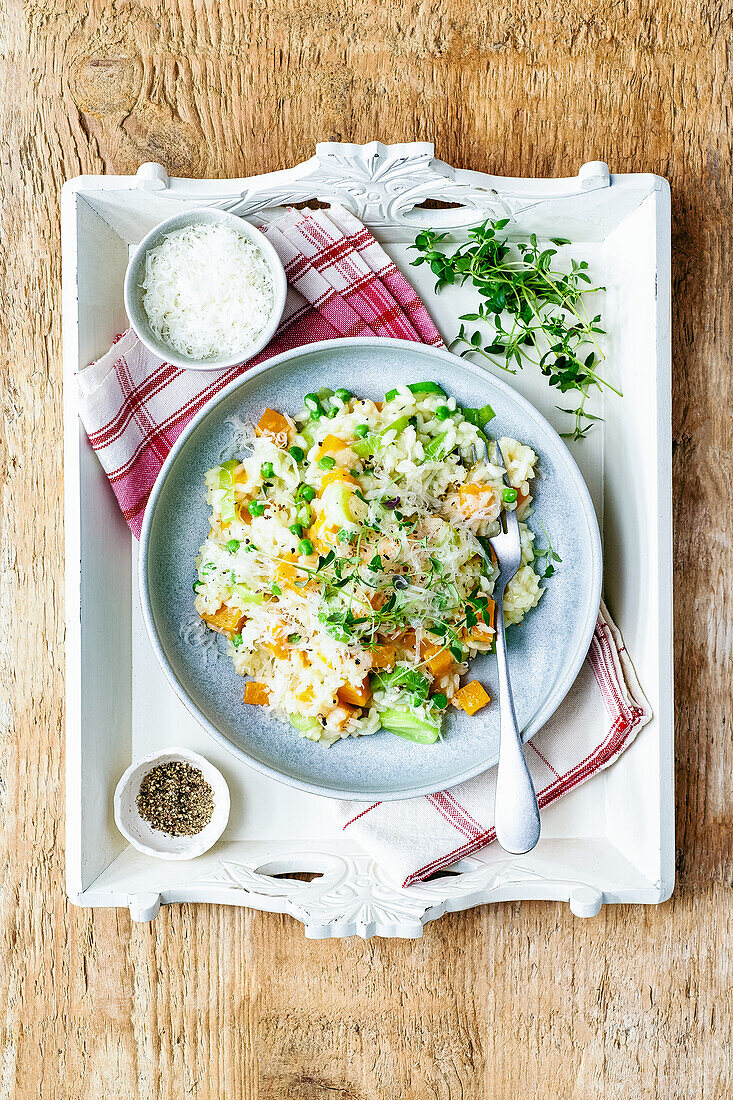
{"points": [[546, 650]]}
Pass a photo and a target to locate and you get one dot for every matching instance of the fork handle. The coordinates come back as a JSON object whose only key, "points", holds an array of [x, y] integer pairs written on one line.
{"points": [[516, 813]]}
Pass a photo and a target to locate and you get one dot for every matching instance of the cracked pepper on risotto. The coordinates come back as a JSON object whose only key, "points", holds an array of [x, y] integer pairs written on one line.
{"points": [[342, 561]]}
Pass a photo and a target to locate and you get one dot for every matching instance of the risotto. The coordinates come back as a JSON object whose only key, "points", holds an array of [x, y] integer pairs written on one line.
{"points": [[343, 562]]}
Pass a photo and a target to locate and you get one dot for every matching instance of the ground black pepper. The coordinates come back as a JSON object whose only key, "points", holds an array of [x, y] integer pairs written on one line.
{"points": [[175, 798]]}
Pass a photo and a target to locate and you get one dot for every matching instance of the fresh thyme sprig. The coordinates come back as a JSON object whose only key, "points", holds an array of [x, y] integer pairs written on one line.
{"points": [[534, 312]]}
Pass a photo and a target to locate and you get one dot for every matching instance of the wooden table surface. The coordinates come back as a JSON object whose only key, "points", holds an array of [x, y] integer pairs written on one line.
{"points": [[513, 1000]]}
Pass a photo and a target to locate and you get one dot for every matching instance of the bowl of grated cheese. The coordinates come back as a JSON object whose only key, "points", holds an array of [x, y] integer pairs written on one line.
{"points": [[205, 290]]}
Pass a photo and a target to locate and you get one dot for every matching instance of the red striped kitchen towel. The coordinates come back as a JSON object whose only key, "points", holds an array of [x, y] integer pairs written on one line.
{"points": [[597, 721], [341, 283]]}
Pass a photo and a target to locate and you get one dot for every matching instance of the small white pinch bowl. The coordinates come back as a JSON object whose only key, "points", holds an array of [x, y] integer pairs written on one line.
{"points": [[136, 273], [153, 842]]}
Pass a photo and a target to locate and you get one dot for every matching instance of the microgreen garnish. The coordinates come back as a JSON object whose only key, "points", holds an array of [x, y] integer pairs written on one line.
{"points": [[531, 311], [547, 555]]}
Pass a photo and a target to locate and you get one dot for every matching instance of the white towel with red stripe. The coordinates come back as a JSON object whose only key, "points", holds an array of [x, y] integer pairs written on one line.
{"points": [[598, 719], [342, 283]]}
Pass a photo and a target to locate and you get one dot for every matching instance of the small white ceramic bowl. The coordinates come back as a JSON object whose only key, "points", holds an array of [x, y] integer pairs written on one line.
{"points": [[136, 273], [152, 841]]}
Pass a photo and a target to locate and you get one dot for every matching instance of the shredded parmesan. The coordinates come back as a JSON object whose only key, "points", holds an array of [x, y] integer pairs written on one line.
{"points": [[208, 291]]}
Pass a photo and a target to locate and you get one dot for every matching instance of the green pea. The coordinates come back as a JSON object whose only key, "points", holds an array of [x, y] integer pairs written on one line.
{"points": [[255, 508], [327, 463], [267, 469], [305, 515], [442, 412], [294, 638], [308, 492], [296, 529], [343, 395], [233, 546], [305, 546], [361, 430], [509, 495], [297, 453]]}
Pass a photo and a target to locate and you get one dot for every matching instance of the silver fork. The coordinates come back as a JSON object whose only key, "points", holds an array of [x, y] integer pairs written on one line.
{"points": [[516, 813]]}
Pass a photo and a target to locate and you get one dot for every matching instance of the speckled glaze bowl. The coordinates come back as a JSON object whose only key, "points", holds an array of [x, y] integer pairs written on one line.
{"points": [[135, 275], [546, 650]]}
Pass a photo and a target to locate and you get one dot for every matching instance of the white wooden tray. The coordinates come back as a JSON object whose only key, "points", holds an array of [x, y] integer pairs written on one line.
{"points": [[610, 841]]}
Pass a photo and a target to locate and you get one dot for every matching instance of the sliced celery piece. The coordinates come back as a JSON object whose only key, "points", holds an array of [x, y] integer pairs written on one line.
{"points": [[226, 473], [306, 726], [418, 387], [405, 724], [243, 593], [434, 451], [397, 425]]}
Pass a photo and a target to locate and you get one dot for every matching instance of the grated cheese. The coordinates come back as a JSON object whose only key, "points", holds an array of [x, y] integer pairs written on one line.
{"points": [[208, 291]]}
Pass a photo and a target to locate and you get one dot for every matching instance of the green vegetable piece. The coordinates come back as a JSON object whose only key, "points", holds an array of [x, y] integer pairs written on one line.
{"points": [[276, 590], [440, 700], [304, 724], [479, 417], [197, 585], [367, 446], [243, 593], [398, 425], [305, 546], [294, 638], [442, 412], [237, 641], [327, 462], [313, 404], [361, 430], [296, 452], [305, 514], [509, 495], [405, 724], [308, 433], [227, 509], [296, 529], [435, 449], [417, 387], [233, 546], [343, 395], [332, 411], [226, 473], [267, 470], [405, 677], [255, 508]]}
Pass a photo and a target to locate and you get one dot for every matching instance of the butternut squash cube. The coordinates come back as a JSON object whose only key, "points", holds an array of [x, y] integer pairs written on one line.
{"points": [[472, 697], [355, 696], [256, 694], [227, 620], [273, 423]]}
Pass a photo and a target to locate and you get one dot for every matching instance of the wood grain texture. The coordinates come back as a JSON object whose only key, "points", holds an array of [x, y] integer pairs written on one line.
{"points": [[510, 1000]]}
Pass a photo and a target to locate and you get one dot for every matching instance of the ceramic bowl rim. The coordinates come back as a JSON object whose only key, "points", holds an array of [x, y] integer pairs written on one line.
{"points": [[595, 579], [136, 314]]}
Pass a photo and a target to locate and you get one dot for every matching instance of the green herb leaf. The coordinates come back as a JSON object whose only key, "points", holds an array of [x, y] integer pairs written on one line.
{"points": [[548, 324]]}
